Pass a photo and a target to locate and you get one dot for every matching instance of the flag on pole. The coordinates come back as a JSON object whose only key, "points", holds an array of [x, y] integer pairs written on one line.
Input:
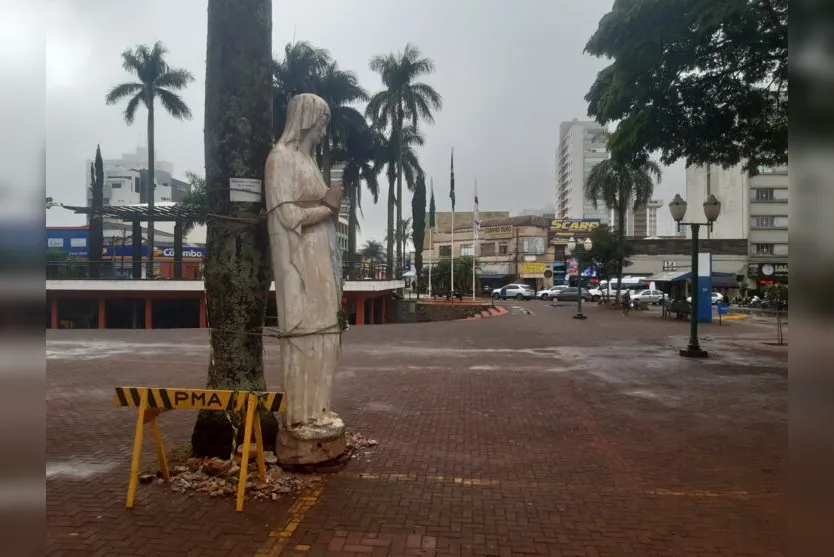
{"points": [[432, 211], [452, 181], [476, 220]]}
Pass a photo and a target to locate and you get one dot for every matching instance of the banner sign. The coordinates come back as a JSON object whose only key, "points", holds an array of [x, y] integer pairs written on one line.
{"points": [[533, 268], [159, 252], [495, 232], [562, 229]]}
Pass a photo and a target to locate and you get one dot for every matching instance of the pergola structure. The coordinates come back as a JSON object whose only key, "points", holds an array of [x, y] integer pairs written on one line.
{"points": [[136, 215]]}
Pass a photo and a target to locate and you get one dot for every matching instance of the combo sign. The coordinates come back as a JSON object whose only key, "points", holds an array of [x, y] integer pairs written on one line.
{"points": [[152, 401]]}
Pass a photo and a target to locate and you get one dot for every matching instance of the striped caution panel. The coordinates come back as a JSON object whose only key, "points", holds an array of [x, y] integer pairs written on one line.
{"points": [[195, 399]]}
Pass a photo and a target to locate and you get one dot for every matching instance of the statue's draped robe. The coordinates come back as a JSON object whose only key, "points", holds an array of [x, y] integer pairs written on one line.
{"points": [[307, 270]]}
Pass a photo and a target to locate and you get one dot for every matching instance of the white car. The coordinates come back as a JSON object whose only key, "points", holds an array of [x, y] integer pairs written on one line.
{"points": [[655, 297], [550, 292], [716, 298], [517, 291], [596, 294]]}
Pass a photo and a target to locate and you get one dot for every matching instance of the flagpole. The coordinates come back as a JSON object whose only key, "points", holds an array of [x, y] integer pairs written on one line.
{"points": [[475, 225], [452, 287], [452, 197]]}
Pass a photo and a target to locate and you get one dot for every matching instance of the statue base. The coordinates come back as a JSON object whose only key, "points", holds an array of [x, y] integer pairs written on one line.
{"points": [[311, 443]]}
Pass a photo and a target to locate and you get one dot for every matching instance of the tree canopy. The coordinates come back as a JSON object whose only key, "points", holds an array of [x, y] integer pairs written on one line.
{"points": [[704, 81]]}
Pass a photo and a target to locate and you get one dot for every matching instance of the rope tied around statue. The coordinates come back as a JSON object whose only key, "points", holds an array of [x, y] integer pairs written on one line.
{"points": [[262, 216], [342, 318]]}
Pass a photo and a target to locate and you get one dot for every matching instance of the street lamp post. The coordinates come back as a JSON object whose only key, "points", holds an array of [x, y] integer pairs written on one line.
{"points": [[573, 245], [712, 208]]}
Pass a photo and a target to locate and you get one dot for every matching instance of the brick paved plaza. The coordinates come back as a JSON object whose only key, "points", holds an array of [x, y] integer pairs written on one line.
{"points": [[512, 435]]}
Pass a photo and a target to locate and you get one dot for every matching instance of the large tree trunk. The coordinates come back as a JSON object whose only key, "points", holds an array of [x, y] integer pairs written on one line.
{"points": [[238, 126], [389, 248], [151, 189]]}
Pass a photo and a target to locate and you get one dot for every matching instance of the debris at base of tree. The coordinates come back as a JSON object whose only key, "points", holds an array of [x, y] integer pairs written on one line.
{"points": [[219, 478]]}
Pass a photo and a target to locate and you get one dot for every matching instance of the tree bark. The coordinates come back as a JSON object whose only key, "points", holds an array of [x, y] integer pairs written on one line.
{"points": [[389, 248], [151, 187], [238, 131]]}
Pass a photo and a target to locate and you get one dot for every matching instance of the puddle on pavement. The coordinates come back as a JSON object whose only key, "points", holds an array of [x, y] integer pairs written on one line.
{"points": [[93, 350], [77, 469]]}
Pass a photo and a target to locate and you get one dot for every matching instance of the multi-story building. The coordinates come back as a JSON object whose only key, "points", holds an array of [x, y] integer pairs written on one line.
{"points": [[639, 223], [582, 145], [342, 226], [126, 180], [508, 248], [754, 208]]}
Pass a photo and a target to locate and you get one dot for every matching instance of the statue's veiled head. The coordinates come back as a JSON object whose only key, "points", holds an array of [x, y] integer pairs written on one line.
{"points": [[307, 118]]}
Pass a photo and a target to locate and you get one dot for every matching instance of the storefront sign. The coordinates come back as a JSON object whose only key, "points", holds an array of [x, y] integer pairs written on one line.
{"points": [[495, 232], [562, 229], [768, 271], [533, 268]]}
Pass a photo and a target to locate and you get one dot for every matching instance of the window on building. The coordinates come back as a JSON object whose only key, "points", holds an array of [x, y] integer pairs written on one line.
{"points": [[763, 249], [503, 249], [764, 194], [534, 246], [764, 222], [467, 250], [445, 251], [488, 249], [116, 185]]}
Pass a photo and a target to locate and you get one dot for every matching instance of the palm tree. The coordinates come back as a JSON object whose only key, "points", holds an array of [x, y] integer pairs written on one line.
{"points": [[156, 80], [307, 69], [360, 151], [403, 98], [404, 229], [339, 89], [299, 72], [411, 170], [373, 251], [196, 202], [617, 184]]}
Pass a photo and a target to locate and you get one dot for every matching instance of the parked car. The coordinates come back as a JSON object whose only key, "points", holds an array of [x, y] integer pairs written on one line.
{"points": [[548, 293], [517, 291], [716, 298], [596, 294], [655, 297], [572, 294]]}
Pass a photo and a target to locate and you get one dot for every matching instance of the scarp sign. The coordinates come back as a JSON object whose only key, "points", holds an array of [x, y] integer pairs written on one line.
{"points": [[565, 228], [151, 402]]}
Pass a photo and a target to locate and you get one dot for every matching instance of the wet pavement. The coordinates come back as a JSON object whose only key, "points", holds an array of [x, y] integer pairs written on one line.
{"points": [[527, 433]]}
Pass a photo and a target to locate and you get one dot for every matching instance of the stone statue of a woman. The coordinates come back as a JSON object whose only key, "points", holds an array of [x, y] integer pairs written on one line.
{"points": [[302, 212]]}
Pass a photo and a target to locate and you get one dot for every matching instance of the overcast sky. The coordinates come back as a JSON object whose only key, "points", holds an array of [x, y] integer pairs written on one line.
{"points": [[509, 73]]}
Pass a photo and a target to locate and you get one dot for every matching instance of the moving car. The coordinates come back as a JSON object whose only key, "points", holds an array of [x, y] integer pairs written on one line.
{"points": [[572, 294], [517, 291], [716, 298], [549, 292], [655, 297]]}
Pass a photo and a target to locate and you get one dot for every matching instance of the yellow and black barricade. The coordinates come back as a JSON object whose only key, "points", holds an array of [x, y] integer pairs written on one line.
{"points": [[152, 401]]}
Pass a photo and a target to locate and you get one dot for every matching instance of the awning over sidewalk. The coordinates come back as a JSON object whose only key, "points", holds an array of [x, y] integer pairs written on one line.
{"points": [[668, 276], [719, 280]]}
